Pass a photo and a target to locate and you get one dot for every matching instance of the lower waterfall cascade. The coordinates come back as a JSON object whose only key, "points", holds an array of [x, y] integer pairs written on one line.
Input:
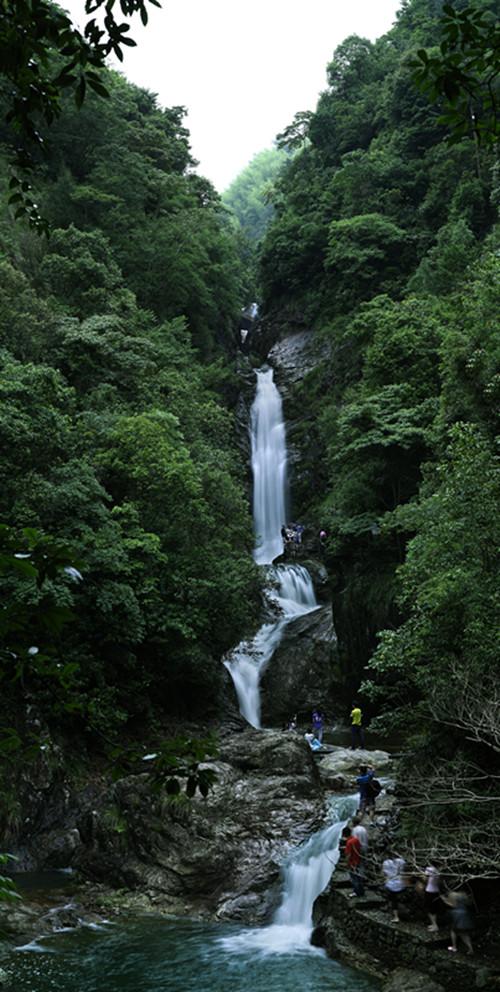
{"points": [[290, 591]]}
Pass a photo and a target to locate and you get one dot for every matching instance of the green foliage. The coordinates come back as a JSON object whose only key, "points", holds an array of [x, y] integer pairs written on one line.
{"points": [[248, 195], [442, 269], [448, 579], [181, 759], [374, 188], [42, 55], [115, 437], [365, 254], [383, 244], [35, 571], [465, 71], [296, 134], [8, 891]]}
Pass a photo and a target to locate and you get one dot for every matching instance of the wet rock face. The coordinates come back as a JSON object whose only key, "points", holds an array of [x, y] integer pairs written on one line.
{"points": [[342, 760], [303, 672], [293, 357], [220, 856]]}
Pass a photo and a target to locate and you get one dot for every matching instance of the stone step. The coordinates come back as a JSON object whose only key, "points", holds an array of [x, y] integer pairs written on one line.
{"points": [[341, 880], [367, 902], [416, 931]]}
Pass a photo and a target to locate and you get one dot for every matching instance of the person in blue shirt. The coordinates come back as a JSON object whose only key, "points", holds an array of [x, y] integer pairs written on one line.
{"points": [[317, 724], [364, 778]]}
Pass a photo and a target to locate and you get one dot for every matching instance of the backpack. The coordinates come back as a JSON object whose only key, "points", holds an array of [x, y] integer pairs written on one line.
{"points": [[374, 787]]}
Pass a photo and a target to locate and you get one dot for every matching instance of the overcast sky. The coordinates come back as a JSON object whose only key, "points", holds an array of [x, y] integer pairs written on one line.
{"points": [[242, 70]]}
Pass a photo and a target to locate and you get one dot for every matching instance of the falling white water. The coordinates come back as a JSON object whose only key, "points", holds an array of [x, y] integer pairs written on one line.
{"points": [[304, 877], [290, 587], [291, 591], [267, 431]]}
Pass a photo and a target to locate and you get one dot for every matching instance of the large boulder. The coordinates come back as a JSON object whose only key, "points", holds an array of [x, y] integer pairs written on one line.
{"points": [[303, 672], [345, 761], [216, 856]]}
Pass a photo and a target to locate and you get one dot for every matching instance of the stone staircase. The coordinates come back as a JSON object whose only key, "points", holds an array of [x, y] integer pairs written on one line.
{"points": [[359, 931]]}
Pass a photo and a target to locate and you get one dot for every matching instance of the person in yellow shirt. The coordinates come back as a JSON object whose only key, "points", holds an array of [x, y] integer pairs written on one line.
{"points": [[357, 731]]}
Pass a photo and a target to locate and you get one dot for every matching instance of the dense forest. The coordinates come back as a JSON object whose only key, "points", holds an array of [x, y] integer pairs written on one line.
{"points": [[119, 452], [116, 434]]}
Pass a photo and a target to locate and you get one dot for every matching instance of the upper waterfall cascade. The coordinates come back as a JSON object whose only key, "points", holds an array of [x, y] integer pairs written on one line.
{"points": [[267, 431], [289, 587]]}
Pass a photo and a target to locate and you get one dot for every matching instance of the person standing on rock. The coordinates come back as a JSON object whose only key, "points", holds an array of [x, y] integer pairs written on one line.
{"points": [[357, 732], [394, 882], [317, 724], [353, 853], [363, 782]]}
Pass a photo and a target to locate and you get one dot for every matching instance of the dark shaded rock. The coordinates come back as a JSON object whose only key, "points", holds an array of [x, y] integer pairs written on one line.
{"points": [[216, 856], [57, 848], [410, 981], [303, 671], [293, 357], [273, 328]]}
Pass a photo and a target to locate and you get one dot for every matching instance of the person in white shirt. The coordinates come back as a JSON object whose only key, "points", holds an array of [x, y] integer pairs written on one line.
{"points": [[361, 833], [393, 872]]}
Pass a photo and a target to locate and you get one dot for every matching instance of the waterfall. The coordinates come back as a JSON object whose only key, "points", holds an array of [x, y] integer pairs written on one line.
{"points": [[267, 431], [291, 591], [304, 877], [289, 588]]}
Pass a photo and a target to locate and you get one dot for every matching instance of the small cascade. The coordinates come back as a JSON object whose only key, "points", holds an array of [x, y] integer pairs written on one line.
{"points": [[306, 875], [291, 590], [295, 590]]}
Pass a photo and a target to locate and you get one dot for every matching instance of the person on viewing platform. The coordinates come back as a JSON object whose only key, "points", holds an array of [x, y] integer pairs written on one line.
{"points": [[353, 853], [322, 540], [317, 724], [357, 732]]}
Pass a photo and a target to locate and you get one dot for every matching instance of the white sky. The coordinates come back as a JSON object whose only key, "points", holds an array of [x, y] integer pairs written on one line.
{"points": [[242, 70]]}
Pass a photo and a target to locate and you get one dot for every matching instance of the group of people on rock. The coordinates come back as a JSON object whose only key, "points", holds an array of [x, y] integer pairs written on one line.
{"points": [[292, 535], [421, 891], [314, 737]]}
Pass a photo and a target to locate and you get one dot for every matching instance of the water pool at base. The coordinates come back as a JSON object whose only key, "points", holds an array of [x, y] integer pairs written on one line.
{"points": [[157, 955]]}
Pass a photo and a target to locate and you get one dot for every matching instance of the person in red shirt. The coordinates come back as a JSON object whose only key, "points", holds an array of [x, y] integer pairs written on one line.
{"points": [[353, 853]]}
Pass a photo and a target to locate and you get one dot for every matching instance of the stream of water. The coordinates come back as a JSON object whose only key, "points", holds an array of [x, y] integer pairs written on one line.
{"points": [[289, 588]]}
